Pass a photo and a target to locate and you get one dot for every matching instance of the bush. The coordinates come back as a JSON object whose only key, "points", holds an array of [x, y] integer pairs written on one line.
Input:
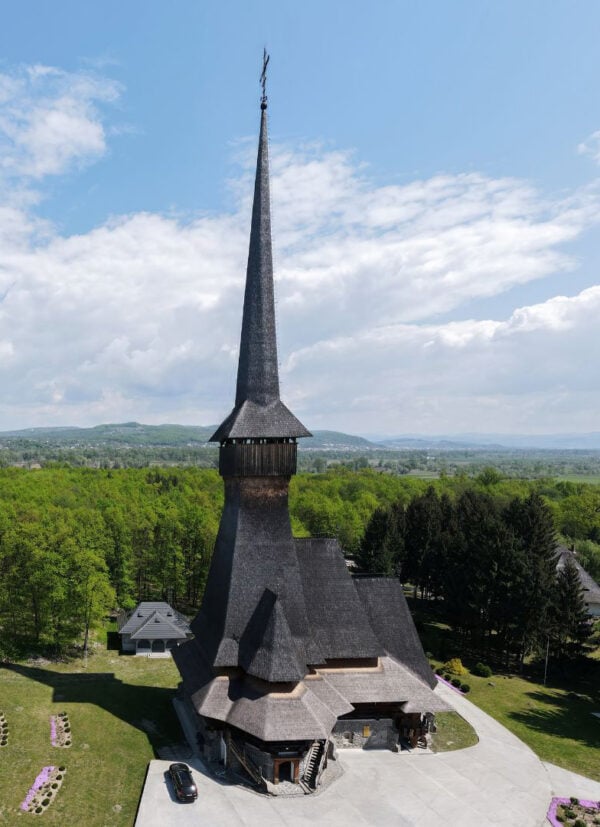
{"points": [[456, 682], [482, 670], [447, 676], [579, 823], [574, 801], [38, 809], [568, 812], [61, 769], [454, 665], [55, 786], [59, 777], [45, 802], [438, 670], [465, 688]]}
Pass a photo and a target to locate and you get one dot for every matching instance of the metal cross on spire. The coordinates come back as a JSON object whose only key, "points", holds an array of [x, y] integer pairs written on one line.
{"points": [[263, 79]]}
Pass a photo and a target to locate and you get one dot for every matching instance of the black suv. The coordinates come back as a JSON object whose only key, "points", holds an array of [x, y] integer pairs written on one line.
{"points": [[183, 783]]}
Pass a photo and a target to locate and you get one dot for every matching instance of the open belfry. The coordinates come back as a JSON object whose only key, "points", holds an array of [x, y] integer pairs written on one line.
{"points": [[292, 657]]}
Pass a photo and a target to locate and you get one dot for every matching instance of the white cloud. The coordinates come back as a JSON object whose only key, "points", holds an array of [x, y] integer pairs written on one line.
{"points": [[50, 120], [139, 318], [591, 146]]}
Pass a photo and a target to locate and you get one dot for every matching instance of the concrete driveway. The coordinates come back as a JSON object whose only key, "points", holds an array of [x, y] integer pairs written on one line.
{"points": [[497, 782]]}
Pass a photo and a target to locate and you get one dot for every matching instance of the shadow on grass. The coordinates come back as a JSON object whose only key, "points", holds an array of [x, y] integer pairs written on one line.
{"points": [[147, 708], [570, 717]]}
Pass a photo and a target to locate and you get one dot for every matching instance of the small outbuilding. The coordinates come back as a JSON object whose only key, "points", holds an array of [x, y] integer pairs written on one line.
{"points": [[152, 628]]}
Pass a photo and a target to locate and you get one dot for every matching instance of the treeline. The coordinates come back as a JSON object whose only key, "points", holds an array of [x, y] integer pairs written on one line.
{"points": [[491, 565], [75, 543]]}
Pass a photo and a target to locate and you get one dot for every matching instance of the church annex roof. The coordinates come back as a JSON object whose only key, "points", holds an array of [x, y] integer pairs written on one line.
{"points": [[390, 619]]}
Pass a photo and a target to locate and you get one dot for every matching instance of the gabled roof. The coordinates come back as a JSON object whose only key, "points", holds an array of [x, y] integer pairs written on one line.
{"points": [[390, 619], [338, 621], [590, 589], [258, 411], [170, 618], [267, 648], [158, 627]]}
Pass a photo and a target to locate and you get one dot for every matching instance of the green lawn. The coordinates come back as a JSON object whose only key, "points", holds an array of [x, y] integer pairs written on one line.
{"points": [[555, 722], [120, 712], [453, 732]]}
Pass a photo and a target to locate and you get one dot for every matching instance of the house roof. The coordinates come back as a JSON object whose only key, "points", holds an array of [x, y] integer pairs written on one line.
{"points": [[258, 410], [155, 620], [589, 587]]}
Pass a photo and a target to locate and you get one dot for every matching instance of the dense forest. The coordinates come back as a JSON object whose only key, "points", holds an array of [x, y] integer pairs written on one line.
{"points": [[75, 543]]}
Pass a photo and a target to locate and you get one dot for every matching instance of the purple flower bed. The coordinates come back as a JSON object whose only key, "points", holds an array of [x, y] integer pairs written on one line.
{"points": [[455, 688], [42, 779], [556, 802]]}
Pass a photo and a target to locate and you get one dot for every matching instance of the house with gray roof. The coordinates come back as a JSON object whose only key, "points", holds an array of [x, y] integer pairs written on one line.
{"points": [[292, 655], [590, 590], [152, 627]]}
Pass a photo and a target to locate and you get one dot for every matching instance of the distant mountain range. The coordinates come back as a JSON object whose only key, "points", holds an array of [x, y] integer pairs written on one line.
{"points": [[136, 434]]}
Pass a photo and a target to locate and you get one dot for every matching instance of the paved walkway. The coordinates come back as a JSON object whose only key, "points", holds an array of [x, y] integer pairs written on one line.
{"points": [[497, 782]]}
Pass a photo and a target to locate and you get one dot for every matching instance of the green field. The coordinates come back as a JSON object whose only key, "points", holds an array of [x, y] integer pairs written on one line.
{"points": [[120, 712]]}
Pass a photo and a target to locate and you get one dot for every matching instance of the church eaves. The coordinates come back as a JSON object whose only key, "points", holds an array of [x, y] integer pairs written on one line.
{"points": [[259, 412]]}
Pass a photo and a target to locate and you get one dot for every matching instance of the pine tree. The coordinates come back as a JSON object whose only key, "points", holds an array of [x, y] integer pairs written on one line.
{"points": [[532, 526], [570, 622]]}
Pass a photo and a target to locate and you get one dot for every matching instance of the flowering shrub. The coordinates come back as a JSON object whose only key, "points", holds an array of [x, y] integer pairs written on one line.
{"points": [[43, 790], [455, 667], [556, 818]]}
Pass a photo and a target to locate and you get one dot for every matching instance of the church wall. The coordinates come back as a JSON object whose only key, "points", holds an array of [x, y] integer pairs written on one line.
{"points": [[367, 733]]}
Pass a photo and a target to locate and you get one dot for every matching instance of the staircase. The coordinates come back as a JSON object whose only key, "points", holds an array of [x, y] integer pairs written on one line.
{"points": [[250, 767], [312, 767]]}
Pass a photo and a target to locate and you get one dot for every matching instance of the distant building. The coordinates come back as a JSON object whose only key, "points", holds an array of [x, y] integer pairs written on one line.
{"points": [[292, 655], [589, 588], [152, 627]]}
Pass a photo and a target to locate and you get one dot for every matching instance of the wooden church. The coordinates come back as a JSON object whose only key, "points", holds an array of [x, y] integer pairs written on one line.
{"points": [[292, 656]]}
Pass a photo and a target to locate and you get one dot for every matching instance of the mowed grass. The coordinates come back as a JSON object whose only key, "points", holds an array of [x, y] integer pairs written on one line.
{"points": [[453, 732], [120, 712], [555, 721]]}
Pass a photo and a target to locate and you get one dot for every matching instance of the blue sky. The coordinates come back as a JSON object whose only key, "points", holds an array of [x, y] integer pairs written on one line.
{"points": [[435, 200]]}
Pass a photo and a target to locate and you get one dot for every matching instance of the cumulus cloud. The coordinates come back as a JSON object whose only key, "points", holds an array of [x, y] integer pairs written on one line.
{"points": [[139, 318], [50, 120]]}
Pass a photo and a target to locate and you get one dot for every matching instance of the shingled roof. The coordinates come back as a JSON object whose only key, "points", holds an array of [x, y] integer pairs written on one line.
{"points": [[337, 618], [154, 621], [258, 410], [286, 641], [391, 621], [590, 589]]}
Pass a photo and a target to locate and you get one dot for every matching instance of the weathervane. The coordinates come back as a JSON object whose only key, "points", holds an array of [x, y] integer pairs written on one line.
{"points": [[263, 79]]}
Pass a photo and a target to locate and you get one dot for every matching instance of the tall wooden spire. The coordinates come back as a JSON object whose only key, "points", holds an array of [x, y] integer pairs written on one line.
{"points": [[258, 410]]}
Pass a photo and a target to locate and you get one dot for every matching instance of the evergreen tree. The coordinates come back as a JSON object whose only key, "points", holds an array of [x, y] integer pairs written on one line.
{"points": [[376, 554], [532, 526], [570, 626]]}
